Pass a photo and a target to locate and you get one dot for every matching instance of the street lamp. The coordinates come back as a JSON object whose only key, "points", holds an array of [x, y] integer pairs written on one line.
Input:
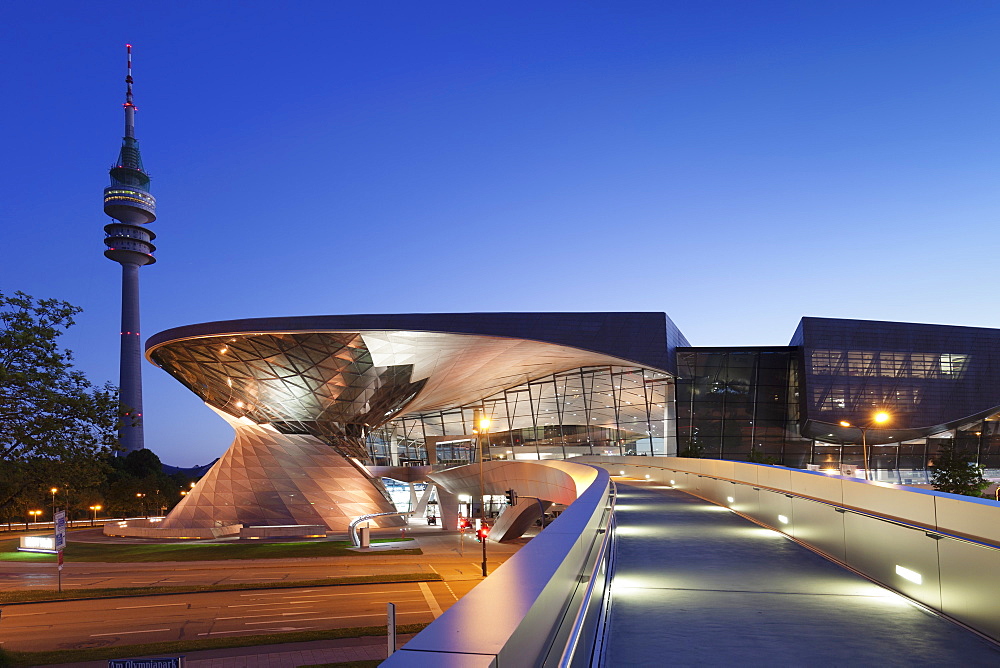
{"points": [[34, 514], [94, 509], [482, 427], [879, 418], [54, 490], [142, 498]]}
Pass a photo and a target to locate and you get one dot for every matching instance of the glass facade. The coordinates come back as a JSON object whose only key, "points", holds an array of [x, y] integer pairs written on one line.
{"points": [[740, 404], [597, 410], [922, 375], [324, 384]]}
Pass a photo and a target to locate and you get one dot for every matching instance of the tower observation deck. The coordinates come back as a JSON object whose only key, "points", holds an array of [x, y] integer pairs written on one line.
{"points": [[128, 202]]}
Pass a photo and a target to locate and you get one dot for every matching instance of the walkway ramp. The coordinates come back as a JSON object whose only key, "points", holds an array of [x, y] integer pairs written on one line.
{"points": [[697, 585]]}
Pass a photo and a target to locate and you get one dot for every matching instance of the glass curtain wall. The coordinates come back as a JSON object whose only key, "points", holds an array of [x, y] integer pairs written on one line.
{"points": [[740, 404], [587, 411]]}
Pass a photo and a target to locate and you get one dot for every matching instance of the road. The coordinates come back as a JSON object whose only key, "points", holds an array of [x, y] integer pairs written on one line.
{"points": [[450, 555], [125, 621], [142, 619], [264, 572]]}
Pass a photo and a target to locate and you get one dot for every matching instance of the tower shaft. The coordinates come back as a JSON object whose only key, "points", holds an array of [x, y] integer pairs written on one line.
{"points": [[128, 202], [130, 432]]}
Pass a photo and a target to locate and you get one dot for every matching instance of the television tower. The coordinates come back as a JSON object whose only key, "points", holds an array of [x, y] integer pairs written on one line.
{"points": [[128, 202]]}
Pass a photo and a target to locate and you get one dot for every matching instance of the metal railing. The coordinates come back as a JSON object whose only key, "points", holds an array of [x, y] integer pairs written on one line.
{"points": [[603, 573], [353, 528], [878, 536]]}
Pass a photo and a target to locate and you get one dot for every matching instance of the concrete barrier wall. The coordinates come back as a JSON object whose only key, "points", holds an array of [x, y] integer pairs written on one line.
{"points": [[891, 533], [511, 618]]}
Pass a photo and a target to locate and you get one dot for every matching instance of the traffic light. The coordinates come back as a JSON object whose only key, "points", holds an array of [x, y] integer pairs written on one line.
{"points": [[511, 497], [483, 532]]}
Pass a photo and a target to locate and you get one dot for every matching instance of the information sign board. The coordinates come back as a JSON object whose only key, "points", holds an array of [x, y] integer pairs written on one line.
{"points": [[160, 662], [60, 519]]}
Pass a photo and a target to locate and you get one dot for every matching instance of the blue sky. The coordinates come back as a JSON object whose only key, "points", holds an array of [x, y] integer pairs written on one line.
{"points": [[735, 164]]}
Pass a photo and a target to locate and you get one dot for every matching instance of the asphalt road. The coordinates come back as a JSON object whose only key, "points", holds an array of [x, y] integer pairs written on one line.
{"points": [[125, 621], [86, 576], [448, 554]]}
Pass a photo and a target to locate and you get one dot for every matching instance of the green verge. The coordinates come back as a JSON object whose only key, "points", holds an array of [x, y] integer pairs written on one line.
{"points": [[118, 592], [9, 658], [150, 552]]}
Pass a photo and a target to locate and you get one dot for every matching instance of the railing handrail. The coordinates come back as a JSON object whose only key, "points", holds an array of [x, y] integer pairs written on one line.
{"points": [[938, 533], [353, 531], [574, 638]]}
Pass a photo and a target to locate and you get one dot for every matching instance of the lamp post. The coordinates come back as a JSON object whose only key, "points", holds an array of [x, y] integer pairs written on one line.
{"points": [[94, 509], [879, 418], [142, 498], [34, 514], [482, 427], [54, 490]]}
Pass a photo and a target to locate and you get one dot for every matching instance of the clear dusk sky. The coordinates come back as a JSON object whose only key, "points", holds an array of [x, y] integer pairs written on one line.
{"points": [[737, 164]]}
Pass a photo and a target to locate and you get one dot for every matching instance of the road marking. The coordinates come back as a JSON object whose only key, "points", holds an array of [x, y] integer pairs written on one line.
{"points": [[256, 605], [157, 605], [273, 614], [431, 601], [125, 633], [380, 615], [281, 593], [453, 594], [284, 628], [365, 593], [433, 569], [24, 614]]}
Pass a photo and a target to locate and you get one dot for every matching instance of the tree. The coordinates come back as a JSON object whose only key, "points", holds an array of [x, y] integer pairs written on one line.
{"points": [[137, 482], [955, 473], [55, 426]]}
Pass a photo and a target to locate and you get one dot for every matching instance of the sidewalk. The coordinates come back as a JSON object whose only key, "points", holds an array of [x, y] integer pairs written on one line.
{"points": [[289, 655]]}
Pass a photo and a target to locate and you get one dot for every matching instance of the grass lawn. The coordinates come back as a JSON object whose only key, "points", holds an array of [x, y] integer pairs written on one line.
{"points": [[146, 552], [8, 658], [36, 595]]}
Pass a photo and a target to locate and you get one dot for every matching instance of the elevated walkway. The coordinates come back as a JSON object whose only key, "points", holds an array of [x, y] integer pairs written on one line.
{"points": [[696, 584]]}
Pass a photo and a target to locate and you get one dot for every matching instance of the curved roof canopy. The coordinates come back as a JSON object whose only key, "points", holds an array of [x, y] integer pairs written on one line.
{"points": [[321, 375]]}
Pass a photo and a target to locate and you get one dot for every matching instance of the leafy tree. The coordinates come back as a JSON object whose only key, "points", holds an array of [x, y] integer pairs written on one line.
{"points": [[955, 473], [137, 484], [55, 426]]}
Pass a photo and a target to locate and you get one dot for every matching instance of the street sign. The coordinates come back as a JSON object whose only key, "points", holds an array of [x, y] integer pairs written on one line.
{"points": [[168, 662], [60, 518]]}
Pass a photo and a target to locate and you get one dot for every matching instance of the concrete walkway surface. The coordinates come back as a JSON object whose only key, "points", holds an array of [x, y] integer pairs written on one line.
{"points": [[697, 585]]}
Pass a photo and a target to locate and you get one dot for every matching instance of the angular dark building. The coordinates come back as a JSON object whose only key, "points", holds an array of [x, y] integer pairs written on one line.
{"points": [[790, 404], [317, 400]]}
